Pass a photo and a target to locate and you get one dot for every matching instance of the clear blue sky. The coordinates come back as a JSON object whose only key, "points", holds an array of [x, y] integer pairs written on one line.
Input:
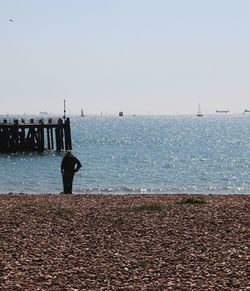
{"points": [[139, 56]]}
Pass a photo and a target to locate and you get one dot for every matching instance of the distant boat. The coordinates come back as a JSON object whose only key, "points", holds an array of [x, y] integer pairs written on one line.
{"points": [[246, 111], [222, 111], [43, 113], [120, 113], [82, 114], [199, 114]]}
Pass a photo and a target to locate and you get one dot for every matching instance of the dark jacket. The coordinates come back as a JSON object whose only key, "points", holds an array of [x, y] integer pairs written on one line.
{"points": [[70, 164]]}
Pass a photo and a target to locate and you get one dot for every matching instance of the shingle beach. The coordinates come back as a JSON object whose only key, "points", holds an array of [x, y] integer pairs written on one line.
{"points": [[124, 242]]}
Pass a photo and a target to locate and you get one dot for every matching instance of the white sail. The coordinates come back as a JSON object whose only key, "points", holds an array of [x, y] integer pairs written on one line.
{"points": [[199, 111]]}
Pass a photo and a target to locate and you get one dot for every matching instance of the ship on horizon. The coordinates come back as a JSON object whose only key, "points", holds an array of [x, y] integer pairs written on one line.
{"points": [[222, 111]]}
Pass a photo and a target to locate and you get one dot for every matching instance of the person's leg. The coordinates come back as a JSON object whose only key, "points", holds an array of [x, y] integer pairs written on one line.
{"points": [[68, 190], [64, 184], [70, 184]]}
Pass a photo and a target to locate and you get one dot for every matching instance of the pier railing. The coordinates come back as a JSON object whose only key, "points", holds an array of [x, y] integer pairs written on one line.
{"points": [[12, 121]]}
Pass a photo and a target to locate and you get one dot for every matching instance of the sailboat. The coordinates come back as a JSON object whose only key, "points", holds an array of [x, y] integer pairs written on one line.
{"points": [[82, 114], [199, 114]]}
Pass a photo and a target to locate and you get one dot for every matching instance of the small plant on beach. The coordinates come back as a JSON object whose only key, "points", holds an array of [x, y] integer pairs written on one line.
{"points": [[191, 201], [152, 207], [62, 211], [119, 221], [29, 204], [142, 264]]}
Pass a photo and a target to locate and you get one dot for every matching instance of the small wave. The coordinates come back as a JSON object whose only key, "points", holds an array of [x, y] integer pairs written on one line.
{"points": [[118, 190]]}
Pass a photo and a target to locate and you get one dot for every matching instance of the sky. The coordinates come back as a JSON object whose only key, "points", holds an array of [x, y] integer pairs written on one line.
{"points": [[135, 56]]}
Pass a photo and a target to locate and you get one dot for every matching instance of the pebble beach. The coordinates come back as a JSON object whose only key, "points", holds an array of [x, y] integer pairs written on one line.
{"points": [[124, 242]]}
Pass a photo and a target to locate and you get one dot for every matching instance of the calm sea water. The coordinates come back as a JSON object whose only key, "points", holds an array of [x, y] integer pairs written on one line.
{"points": [[142, 154]]}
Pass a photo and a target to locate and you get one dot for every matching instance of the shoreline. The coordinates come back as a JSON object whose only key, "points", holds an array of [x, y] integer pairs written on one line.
{"points": [[124, 193], [124, 242]]}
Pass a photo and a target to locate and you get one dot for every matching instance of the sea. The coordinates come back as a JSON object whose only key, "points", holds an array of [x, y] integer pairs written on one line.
{"points": [[142, 154]]}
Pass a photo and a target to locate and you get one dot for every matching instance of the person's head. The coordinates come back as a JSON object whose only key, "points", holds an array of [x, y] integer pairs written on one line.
{"points": [[68, 152]]}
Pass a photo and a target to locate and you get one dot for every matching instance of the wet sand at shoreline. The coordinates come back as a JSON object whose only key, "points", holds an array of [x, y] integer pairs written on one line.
{"points": [[124, 242]]}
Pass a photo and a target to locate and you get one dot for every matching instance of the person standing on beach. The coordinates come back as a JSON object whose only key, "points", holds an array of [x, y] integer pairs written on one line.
{"points": [[69, 166]]}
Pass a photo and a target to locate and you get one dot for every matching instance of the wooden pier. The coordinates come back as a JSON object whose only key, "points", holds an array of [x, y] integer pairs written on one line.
{"points": [[35, 135]]}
